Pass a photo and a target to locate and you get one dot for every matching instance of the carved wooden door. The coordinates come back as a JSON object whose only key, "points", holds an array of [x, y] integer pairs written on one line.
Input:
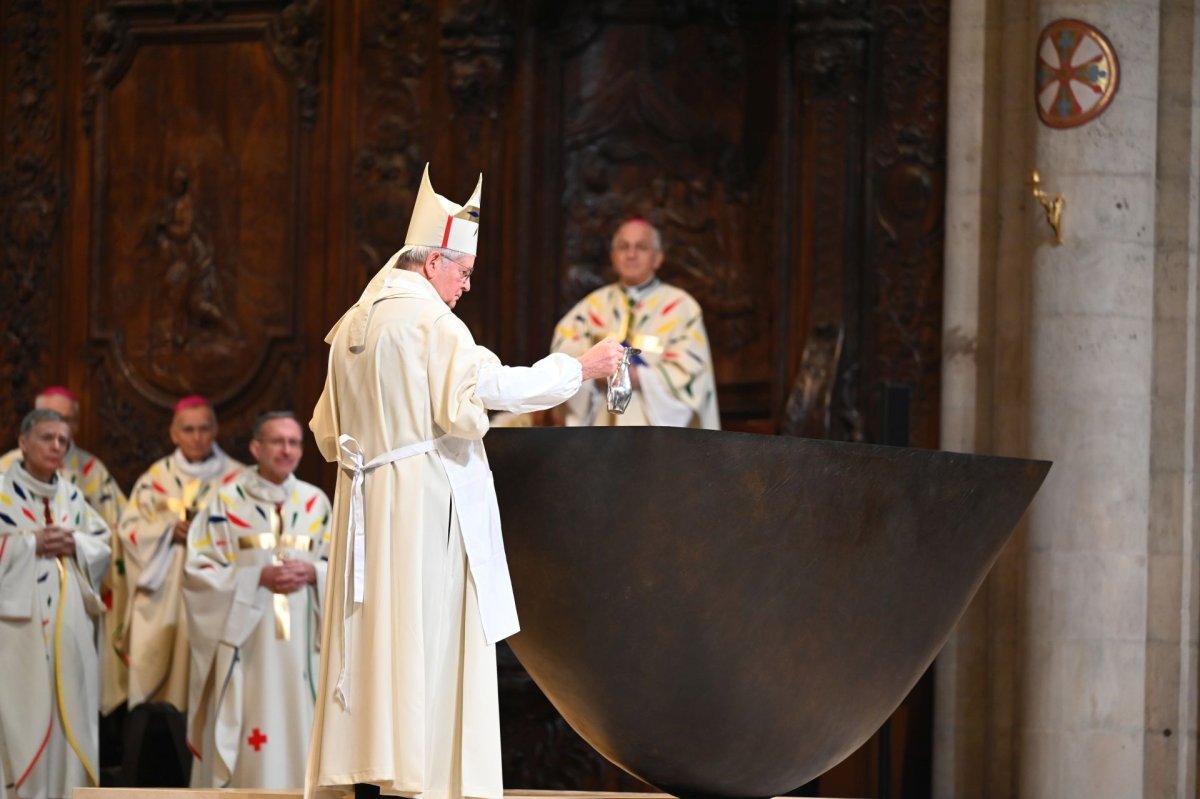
{"points": [[200, 270]]}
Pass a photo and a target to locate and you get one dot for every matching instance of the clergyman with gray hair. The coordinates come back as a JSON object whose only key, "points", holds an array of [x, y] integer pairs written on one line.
{"points": [[672, 369], [88, 473], [419, 591], [54, 552]]}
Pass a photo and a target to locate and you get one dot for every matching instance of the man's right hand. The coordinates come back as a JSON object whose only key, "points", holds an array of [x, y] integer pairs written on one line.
{"points": [[286, 577], [179, 531], [55, 541], [602, 359]]}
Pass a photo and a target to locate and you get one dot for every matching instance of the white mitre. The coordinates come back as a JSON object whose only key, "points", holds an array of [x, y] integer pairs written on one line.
{"points": [[436, 222]]}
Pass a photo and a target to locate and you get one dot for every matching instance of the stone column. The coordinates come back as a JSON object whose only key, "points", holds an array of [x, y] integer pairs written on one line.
{"points": [[985, 386], [1082, 706], [1074, 674], [1172, 683]]}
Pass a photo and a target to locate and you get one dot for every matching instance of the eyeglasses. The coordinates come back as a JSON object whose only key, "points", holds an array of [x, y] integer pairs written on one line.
{"points": [[464, 272], [641, 248]]}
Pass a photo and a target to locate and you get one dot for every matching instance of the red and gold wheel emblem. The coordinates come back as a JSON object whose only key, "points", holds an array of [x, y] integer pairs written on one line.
{"points": [[1077, 73]]}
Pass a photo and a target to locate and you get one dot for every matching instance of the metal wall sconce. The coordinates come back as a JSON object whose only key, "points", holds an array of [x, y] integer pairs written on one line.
{"points": [[1053, 205]]}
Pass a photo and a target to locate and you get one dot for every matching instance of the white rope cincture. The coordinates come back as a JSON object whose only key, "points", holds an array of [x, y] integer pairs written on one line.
{"points": [[352, 461]]}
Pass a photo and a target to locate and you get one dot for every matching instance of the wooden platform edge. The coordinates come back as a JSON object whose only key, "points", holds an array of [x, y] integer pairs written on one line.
{"points": [[242, 793]]}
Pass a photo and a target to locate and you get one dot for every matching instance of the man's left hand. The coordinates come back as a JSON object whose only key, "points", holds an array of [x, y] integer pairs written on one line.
{"points": [[291, 575], [54, 541], [305, 572]]}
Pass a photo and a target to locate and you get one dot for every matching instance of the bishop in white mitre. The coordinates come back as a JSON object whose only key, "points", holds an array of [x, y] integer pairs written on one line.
{"points": [[419, 591]]}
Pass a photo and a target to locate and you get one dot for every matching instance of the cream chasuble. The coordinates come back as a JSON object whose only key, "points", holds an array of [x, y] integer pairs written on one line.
{"points": [[416, 712], [49, 611], [678, 388], [254, 653], [88, 473], [156, 627]]}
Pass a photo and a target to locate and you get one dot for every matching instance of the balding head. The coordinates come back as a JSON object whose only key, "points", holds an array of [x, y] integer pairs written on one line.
{"points": [[62, 402], [636, 252], [193, 430]]}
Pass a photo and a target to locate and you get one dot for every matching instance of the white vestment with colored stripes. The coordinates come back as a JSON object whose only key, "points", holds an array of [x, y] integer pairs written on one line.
{"points": [[49, 612], [88, 473], [156, 628], [254, 653], [677, 387]]}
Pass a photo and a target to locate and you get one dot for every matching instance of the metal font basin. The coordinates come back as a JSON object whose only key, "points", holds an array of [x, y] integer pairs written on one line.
{"points": [[730, 615]]}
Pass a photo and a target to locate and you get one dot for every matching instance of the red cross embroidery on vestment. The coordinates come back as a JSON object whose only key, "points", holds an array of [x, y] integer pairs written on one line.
{"points": [[256, 739]]}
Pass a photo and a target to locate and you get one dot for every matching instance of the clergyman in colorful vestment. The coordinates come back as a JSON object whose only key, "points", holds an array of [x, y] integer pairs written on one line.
{"points": [[54, 553], [672, 374], [419, 590], [254, 586], [153, 534], [88, 473]]}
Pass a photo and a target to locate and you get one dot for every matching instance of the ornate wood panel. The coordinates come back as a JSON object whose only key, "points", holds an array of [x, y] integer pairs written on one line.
{"points": [[906, 173], [193, 191], [198, 119], [831, 42], [33, 198], [653, 110], [429, 87]]}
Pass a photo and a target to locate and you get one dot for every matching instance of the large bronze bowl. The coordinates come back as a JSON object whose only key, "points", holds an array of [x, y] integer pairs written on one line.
{"points": [[730, 615]]}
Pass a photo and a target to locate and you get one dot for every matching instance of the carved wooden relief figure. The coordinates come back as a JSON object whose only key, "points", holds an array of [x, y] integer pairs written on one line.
{"points": [[194, 321], [197, 118], [190, 290]]}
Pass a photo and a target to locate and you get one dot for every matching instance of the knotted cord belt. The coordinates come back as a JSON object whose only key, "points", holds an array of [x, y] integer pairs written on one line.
{"points": [[355, 464]]}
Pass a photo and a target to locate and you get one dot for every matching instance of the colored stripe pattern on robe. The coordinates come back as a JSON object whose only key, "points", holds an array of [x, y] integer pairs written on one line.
{"points": [[62, 617], [664, 322], [161, 498], [275, 532]]}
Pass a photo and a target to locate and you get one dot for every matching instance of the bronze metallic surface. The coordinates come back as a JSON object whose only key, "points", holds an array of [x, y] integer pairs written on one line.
{"points": [[730, 615]]}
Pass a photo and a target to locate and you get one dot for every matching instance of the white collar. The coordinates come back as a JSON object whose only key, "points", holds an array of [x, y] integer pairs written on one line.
{"points": [[260, 487], [639, 292], [38, 487], [207, 469]]}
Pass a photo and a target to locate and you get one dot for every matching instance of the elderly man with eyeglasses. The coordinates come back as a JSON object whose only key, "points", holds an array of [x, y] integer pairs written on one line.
{"points": [[254, 588], [672, 374], [419, 591]]}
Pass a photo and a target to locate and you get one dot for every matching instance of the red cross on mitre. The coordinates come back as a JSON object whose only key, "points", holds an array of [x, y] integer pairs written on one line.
{"points": [[462, 231], [256, 739]]}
